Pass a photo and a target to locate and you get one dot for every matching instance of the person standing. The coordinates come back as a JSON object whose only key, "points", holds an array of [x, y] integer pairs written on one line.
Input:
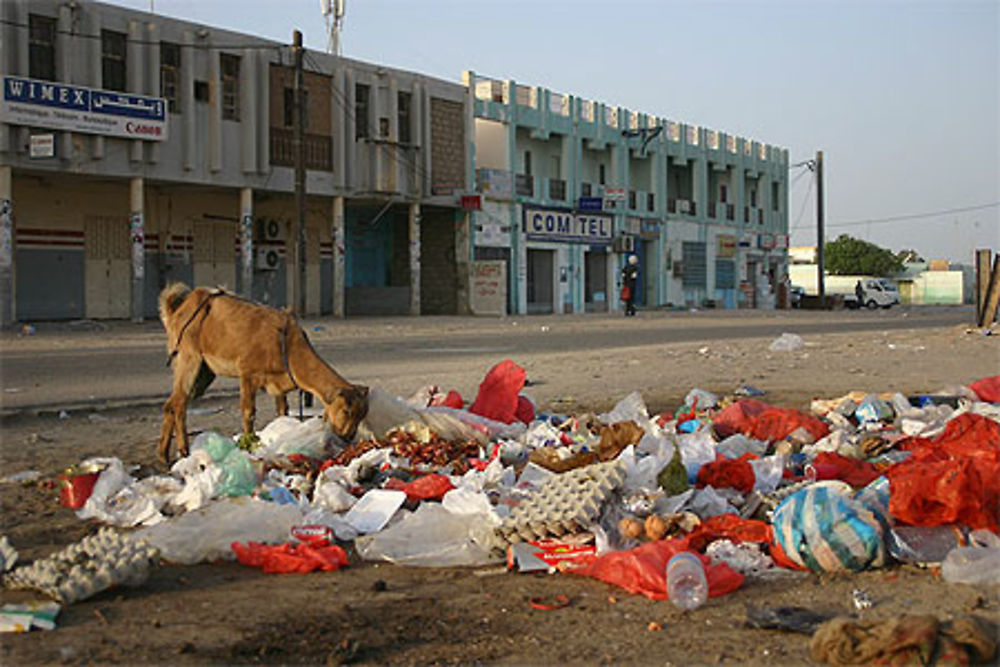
{"points": [[859, 292], [630, 279]]}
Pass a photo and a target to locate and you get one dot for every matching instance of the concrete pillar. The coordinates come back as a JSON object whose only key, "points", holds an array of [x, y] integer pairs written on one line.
{"points": [[137, 236], [246, 241], [414, 259], [463, 258], [338, 290], [6, 247]]}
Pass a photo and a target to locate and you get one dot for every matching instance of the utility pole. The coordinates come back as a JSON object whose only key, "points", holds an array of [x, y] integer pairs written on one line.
{"points": [[821, 265], [298, 148]]}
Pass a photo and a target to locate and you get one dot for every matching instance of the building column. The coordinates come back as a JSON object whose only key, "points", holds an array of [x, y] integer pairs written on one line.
{"points": [[463, 260], [6, 248], [137, 236], [338, 291], [246, 242], [414, 259]]}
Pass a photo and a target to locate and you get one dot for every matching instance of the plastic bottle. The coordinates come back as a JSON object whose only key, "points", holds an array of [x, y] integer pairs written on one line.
{"points": [[687, 586]]}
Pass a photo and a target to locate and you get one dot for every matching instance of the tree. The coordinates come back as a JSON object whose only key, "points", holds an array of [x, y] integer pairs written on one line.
{"points": [[909, 256], [851, 256]]}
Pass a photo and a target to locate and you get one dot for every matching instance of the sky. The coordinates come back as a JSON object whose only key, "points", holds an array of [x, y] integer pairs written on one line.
{"points": [[902, 97]]}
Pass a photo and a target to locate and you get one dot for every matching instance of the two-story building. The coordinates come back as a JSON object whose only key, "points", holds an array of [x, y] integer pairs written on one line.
{"points": [[570, 187], [136, 149]]}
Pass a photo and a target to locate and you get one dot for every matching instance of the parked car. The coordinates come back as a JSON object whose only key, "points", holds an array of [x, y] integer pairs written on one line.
{"points": [[875, 293]]}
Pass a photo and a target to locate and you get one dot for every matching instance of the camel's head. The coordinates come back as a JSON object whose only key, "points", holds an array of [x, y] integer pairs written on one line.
{"points": [[346, 410]]}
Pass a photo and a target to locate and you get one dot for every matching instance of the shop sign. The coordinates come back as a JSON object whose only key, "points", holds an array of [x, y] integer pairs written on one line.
{"points": [[78, 109], [566, 226], [42, 145], [726, 246], [747, 240], [765, 241], [472, 202], [591, 204], [614, 194], [649, 229]]}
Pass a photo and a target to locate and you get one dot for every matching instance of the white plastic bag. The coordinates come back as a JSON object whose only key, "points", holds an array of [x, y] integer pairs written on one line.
{"points": [[332, 496], [630, 409], [117, 500], [978, 564], [768, 472], [205, 534], [786, 342], [431, 537], [697, 449], [287, 435], [201, 480]]}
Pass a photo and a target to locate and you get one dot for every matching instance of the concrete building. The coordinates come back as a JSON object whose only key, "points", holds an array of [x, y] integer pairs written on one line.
{"points": [[568, 188], [136, 149]]}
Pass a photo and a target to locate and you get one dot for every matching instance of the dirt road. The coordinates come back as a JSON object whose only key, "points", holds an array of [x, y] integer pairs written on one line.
{"points": [[369, 613]]}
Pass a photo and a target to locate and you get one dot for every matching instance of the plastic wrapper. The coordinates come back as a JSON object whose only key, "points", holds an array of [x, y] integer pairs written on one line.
{"points": [[373, 511], [117, 500], [206, 534], [768, 472], [738, 444], [432, 537], [708, 502], [498, 392], [201, 480]]}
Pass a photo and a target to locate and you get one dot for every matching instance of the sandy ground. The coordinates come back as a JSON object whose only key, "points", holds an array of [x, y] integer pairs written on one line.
{"points": [[369, 613]]}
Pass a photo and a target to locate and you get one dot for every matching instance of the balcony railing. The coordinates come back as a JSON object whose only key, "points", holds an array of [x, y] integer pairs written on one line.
{"points": [[557, 189], [318, 150], [524, 185]]}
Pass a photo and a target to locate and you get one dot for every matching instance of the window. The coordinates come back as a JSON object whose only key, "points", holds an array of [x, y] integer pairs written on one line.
{"points": [[361, 93], [527, 163], [170, 74], [41, 47], [600, 174], [650, 202], [722, 193], [753, 198], [230, 67], [290, 108], [201, 91], [404, 113], [775, 192], [113, 60]]}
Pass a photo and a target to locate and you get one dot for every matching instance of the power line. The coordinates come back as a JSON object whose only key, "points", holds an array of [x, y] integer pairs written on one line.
{"points": [[805, 200], [914, 216]]}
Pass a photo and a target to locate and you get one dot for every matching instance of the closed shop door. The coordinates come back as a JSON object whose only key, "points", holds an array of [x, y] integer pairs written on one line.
{"points": [[215, 254], [108, 269], [596, 281], [540, 284]]}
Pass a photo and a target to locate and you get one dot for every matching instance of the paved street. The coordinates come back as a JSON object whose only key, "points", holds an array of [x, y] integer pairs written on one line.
{"points": [[90, 365]]}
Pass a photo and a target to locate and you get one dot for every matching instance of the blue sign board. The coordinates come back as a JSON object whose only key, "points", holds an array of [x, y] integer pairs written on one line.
{"points": [[594, 204], [555, 225], [79, 109]]}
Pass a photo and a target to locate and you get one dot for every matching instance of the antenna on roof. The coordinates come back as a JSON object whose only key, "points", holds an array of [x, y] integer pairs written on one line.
{"points": [[333, 12]]}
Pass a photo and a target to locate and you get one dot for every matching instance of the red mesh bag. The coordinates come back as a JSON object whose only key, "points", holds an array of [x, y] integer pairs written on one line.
{"points": [[428, 487], [987, 389], [729, 473], [290, 558]]}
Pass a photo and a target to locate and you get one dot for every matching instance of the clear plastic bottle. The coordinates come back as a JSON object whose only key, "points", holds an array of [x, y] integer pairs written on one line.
{"points": [[687, 586]]}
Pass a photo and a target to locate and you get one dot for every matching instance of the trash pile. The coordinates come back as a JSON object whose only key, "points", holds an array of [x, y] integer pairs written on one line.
{"points": [[739, 488]]}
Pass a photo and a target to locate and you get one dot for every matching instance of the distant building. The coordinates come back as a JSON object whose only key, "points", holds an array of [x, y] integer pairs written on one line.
{"points": [[136, 149], [571, 187]]}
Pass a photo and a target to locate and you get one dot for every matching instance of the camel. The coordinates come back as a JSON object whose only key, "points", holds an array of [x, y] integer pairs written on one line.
{"points": [[213, 332]]}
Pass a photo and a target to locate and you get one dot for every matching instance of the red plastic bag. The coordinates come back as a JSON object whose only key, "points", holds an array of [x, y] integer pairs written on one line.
{"points": [[737, 417], [626, 293], [290, 558], [987, 389], [954, 478], [428, 487], [643, 570], [729, 527], [498, 392], [729, 473], [855, 472]]}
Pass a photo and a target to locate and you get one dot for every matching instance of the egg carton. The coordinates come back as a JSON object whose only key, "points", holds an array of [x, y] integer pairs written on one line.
{"points": [[566, 503], [8, 555], [81, 570]]}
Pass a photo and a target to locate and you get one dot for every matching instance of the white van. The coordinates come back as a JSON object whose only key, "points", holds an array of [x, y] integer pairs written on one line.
{"points": [[877, 293]]}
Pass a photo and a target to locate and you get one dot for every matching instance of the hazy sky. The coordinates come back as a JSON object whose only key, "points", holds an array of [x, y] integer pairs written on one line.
{"points": [[901, 97]]}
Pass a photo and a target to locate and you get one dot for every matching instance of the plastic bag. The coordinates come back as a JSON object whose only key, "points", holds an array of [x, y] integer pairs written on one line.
{"points": [[431, 537], [696, 449], [643, 570], [978, 563], [825, 528], [427, 487], [201, 480], [117, 500], [373, 511], [700, 399], [214, 443], [987, 389], [786, 342], [498, 392], [290, 558], [630, 408], [287, 435], [207, 534], [237, 476]]}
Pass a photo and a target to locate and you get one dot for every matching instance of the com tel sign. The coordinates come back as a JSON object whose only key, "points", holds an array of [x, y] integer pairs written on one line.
{"points": [[552, 225]]}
